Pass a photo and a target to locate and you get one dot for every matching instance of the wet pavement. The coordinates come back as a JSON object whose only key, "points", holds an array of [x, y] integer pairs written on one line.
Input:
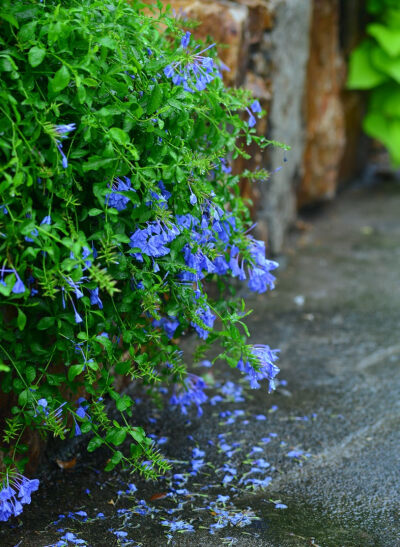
{"points": [[317, 463]]}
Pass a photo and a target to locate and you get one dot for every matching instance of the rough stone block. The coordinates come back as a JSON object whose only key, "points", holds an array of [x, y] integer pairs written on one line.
{"points": [[288, 44], [325, 125], [261, 17]]}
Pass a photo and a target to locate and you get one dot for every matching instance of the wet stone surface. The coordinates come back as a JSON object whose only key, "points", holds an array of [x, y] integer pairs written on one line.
{"points": [[316, 463]]}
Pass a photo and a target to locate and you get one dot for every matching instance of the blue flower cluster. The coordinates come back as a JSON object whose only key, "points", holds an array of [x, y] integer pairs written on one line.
{"points": [[192, 392], [266, 358], [198, 71], [153, 239], [207, 318], [115, 198], [170, 324], [15, 493]]}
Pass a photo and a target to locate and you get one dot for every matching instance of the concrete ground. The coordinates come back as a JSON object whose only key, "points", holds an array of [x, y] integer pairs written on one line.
{"points": [[328, 438]]}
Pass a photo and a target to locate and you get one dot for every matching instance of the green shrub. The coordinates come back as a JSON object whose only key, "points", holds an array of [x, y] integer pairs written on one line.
{"points": [[117, 204]]}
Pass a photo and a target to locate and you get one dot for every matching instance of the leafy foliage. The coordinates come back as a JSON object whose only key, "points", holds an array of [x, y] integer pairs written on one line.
{"points": [[375, 66], [118, 202]]}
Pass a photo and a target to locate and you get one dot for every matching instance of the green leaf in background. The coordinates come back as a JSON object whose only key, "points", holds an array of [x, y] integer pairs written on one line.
{"points": [[362, 73], [386, 130], [386, 64], [385, 99], [36, 56], [388, 38]]}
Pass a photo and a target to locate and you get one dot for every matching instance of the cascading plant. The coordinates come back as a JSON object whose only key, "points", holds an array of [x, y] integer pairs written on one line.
{"points": [[117, 204]]}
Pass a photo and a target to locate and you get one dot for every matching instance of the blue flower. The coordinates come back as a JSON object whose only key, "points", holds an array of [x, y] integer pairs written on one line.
{"points": [[152, 240], [198, 72], [266, 367], [225, 167], [116, 199], [170, 324], [19, 286], [64, 159], [185, 40], [71, 538], [192, 199], [207, 318], [178, 525], [46, 220], [192, 392], [16, 492], [251, 121], [75, 285], [64, 129], [78, 318], [295, 453], [34, 233], [255, 107], [260, 274], [95, 299]]}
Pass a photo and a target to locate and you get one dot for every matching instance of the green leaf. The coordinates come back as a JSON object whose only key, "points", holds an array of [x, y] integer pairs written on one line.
{"points": [[38, 349], [155, 99], [81, 92], [97, 162], [61, 79], [388, 65], [123, 403], [388, 38], [27, 31], [90, 82], [30, 373], [9, 17], [73, 371], [386, 100], [116, 436], [385, 130], [107, 42], [21, 320], [94, 212], [138, 434], [362, 73], [94, 443], [85, 427], [119, 135], [25, 397], [36, 55], [45, 323], [114, 460]]}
